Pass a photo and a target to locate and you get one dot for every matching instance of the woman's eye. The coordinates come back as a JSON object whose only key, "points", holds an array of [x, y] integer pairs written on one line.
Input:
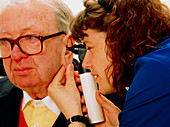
{"points": [[88, 48]]}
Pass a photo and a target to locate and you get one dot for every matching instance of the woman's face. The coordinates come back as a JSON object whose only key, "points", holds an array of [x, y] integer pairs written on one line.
{"points": [[96, 60]]}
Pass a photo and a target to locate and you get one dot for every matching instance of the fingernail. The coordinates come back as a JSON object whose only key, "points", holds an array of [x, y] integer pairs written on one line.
{"points": [[98, 93], [63, 65], [71, 38], [70, 67]]}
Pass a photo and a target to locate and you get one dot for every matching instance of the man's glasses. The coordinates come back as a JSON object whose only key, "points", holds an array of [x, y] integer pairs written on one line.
{"points": [[28, 44]]}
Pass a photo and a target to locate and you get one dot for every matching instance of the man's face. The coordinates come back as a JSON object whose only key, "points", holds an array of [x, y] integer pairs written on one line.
{"points": [[32, 73]]}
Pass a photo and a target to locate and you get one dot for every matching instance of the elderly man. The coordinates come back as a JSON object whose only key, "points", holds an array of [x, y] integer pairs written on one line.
{"points": [[33, 44]]}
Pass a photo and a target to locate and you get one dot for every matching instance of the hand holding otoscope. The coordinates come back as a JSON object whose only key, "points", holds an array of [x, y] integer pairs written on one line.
{"points": [[89, 86]]}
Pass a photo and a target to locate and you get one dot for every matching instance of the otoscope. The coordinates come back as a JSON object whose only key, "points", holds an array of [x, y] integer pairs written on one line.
{"points": [[89, 87]]}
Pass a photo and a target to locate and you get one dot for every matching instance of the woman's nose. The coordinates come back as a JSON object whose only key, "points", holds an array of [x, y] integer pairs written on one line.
{"points": [[87, 61]]}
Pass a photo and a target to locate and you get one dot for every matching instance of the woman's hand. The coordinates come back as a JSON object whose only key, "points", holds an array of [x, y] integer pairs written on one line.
{"points": [[83, 104], [110, 112], [64, 92]]}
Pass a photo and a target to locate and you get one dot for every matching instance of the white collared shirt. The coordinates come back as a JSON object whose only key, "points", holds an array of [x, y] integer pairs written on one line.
{"points": [[47, 101]]}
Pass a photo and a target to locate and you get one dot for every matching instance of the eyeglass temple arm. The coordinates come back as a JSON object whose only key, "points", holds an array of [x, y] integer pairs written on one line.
{"points": [[53, 35]]}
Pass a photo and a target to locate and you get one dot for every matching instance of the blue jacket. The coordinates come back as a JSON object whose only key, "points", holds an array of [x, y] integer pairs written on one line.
{"points": [[147, 102]]}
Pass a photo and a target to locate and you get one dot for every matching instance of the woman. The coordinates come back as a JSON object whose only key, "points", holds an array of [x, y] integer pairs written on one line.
{"points": [[135, 35]]}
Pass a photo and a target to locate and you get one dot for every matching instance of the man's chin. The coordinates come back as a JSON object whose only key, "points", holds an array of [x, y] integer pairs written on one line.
{"points": [[24, 81]]}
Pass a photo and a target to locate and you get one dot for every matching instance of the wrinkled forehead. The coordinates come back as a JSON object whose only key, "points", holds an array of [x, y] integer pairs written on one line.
{"points": [[27, 15], [34, 8], [6, 3]]}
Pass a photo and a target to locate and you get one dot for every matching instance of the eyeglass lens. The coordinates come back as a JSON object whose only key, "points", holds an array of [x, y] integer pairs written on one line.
{"points": [[28, 45]]}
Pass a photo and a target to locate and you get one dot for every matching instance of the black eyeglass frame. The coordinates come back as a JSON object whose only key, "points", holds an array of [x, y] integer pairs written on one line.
{"points": [[41, 38]]}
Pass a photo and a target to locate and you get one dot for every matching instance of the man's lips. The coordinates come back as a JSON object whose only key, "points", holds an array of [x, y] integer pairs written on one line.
{"points": [[22, 70]]}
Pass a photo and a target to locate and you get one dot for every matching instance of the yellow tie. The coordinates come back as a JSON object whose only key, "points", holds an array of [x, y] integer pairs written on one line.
{"points": [[36, 114]]}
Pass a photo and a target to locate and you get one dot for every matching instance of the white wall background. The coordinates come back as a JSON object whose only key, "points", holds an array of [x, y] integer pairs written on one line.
{"points": [[167, 2], [77, 5]]}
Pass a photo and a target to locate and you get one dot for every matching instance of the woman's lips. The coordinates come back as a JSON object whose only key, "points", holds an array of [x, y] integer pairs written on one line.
{"points": [[95, 76]]}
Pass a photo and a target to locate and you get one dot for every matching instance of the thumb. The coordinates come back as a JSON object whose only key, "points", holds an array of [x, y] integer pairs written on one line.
{"points": [[104, 102], [70, 74], [110, 111]]}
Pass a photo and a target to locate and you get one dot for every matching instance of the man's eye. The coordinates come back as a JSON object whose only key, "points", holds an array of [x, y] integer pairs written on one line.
{"points": [[4, 41], [31, 38]]}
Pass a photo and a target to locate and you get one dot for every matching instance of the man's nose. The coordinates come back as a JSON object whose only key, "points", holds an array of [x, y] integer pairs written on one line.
{"points": [[16, 53]]}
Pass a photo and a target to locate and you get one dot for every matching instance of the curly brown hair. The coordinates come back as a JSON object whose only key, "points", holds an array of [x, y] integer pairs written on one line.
{"points": [[92, 17], [134, 28]]}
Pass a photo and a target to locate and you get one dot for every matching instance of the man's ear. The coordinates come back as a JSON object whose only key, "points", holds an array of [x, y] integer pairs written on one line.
{"points": [[68, 54]]}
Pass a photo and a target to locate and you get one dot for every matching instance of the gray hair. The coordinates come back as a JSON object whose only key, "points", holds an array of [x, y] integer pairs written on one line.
{"points": [[64, 15]]}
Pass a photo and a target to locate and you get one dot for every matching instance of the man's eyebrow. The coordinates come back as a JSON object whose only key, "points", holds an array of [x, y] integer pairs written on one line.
{"points": [[25, 29]]}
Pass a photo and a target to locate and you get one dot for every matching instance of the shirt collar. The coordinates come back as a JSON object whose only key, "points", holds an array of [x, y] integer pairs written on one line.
{"points": [[47, 101]]}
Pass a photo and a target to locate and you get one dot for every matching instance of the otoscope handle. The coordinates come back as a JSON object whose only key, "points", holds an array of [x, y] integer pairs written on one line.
{"points": [[89, 87]]}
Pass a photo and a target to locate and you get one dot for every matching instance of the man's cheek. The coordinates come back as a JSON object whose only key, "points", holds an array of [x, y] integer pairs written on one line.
{"points": [[6, 66]]}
